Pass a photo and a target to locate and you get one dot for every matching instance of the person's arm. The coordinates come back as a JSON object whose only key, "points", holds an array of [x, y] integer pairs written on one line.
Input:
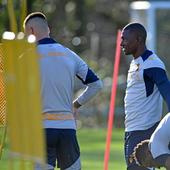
{"points": [[88, 78], [76, 104], [163, 161], [94, 85], [91, 90], [159, 77]]}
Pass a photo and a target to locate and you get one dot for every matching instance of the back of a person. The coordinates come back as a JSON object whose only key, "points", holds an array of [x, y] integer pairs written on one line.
{"points": [[57, 77], [58, 68]]}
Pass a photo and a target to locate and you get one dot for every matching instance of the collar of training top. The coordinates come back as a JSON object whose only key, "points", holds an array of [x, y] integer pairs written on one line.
{"points": [[146, 54], [46, 41]]}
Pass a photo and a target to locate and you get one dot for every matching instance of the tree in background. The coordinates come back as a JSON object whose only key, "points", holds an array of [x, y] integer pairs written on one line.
{"points": [[89, 27]]}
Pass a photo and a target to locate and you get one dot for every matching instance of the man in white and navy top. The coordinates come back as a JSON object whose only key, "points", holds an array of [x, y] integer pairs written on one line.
{"points": [[156, 151], [147, 83], [59, 66]]}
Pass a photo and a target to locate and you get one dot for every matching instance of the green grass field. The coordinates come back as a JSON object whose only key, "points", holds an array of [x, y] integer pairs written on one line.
{"points": [[92, 145]]}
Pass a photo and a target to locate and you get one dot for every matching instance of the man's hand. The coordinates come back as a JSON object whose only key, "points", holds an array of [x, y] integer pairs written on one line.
{"points": [[75, 113], [76, 106]]}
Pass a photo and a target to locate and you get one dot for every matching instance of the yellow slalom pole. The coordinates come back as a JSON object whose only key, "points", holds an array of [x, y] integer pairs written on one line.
{"points": [[26, 135], [10, 68], [12, 18], [2, 105], [3, 140], [30, 58], [23, 13]]}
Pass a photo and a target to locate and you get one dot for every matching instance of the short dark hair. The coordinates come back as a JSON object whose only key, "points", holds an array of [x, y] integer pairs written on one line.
{"points": [[139, 152], [34, 15], [137, 27]]}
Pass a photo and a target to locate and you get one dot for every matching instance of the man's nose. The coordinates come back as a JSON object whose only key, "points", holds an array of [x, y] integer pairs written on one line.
{"points": [[121, 43]]}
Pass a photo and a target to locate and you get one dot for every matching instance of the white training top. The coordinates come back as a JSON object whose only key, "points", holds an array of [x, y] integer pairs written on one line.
{"points": [[143, 101], [160, 139], [59, 66]]}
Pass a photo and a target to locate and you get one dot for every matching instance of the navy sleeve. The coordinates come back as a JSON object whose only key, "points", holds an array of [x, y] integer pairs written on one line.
{"points": [[90, 77], [157, 76]]}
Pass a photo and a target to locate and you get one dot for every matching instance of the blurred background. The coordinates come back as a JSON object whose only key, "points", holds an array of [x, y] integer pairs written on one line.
{"points": [[89, 27]]}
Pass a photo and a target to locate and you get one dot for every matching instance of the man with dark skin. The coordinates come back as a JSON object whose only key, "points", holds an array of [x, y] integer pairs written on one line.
{"points": [[155, 152], [146, 82]]}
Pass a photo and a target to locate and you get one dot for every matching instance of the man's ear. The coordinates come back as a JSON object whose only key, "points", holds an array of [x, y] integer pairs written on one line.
{"points": [[139, 39], [48, 30], [32, 30]]}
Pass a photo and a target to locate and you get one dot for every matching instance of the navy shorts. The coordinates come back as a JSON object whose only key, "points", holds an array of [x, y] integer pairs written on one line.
{"points": [[62, 146], [133, 138]]}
